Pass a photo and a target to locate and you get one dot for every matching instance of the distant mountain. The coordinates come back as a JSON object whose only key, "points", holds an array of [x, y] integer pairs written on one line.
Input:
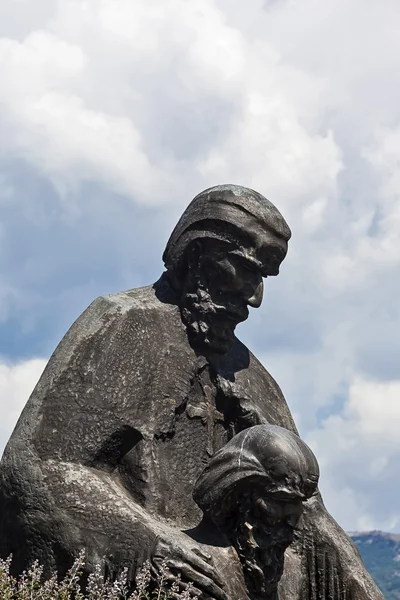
{"points": [[381, 555]]}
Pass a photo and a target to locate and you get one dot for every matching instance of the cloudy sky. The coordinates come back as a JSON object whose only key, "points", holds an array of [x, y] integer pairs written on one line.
{"points": [[115, 113]]}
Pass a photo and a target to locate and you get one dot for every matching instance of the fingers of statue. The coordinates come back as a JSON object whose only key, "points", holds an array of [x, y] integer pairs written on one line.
{"points": [[193, 563], [204, 567], [196, 557], [208, 586], [202, 553]]}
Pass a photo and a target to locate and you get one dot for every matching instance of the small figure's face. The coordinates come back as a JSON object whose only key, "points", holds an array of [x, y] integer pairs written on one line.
{"points": [[272, 519], [279, 516]]}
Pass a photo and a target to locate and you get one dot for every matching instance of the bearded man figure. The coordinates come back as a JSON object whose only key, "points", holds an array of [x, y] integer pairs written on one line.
{"points": [[253, 490], [143, 390]]}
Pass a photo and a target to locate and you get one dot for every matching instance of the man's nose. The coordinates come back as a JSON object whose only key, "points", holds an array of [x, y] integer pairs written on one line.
{"points": [[256, 298]]}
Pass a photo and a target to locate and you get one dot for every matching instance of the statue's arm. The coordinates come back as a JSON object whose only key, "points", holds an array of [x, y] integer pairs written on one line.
{"points": [[330, 551], [94, 511], [64, 455]]}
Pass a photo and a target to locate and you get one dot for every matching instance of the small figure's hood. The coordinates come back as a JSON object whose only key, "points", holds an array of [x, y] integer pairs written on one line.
{"points": [[267, 457]]}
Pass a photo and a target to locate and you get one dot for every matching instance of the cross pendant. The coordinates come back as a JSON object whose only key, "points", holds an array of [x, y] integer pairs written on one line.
{"points": [[208, 414]]}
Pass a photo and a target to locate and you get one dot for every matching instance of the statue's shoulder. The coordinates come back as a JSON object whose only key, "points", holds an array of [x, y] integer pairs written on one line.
{"points": [[103, 313], [110, 310], [109, 313], [257, 367], [119, 303], [157, 297]]}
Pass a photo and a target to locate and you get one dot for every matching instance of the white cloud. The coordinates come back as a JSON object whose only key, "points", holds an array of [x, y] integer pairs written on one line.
{"points": [[16, 385], [120, 92], [53, 128], [358, 450]]}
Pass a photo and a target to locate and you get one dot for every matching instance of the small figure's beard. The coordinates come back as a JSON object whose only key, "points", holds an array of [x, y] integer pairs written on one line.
{"points": [[263, 557], [210, 324], [260, 543]]}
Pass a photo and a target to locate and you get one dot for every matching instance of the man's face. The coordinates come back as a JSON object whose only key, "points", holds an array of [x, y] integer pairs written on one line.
{"points": [[230, 278], [236, 271], [234, 284]]}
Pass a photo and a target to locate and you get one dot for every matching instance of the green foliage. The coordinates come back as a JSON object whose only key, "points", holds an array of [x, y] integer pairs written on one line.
{"points": [[381, 555], [32, 586]]}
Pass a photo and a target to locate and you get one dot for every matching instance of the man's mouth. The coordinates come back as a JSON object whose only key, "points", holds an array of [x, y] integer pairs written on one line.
{"points": [[233, 314]]}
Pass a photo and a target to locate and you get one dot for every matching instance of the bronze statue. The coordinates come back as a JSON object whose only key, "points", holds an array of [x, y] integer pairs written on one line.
{"points": [[142, 392]]}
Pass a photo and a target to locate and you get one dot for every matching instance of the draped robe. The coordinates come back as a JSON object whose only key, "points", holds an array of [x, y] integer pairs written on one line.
{"points": [[122, 422]]}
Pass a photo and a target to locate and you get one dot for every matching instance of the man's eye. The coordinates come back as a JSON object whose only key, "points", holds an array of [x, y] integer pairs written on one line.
{"points": [[248, 266], [250, 269]]}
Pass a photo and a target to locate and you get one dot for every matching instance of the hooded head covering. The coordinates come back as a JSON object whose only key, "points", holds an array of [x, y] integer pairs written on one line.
{"points": [[224, 212], [269, 458]]}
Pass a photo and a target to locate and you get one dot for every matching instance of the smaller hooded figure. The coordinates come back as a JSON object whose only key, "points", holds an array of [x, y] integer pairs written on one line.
{"points": [[253, 490]]}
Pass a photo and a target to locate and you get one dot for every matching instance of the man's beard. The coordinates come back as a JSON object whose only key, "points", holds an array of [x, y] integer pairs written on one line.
{"points": [[211, 324]]}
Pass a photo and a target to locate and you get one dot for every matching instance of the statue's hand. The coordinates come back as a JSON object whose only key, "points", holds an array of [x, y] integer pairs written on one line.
{"points": [[185, 558]]}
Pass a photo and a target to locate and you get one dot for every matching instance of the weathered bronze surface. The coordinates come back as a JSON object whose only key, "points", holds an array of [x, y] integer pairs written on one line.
{"points": [[146, 393]]}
